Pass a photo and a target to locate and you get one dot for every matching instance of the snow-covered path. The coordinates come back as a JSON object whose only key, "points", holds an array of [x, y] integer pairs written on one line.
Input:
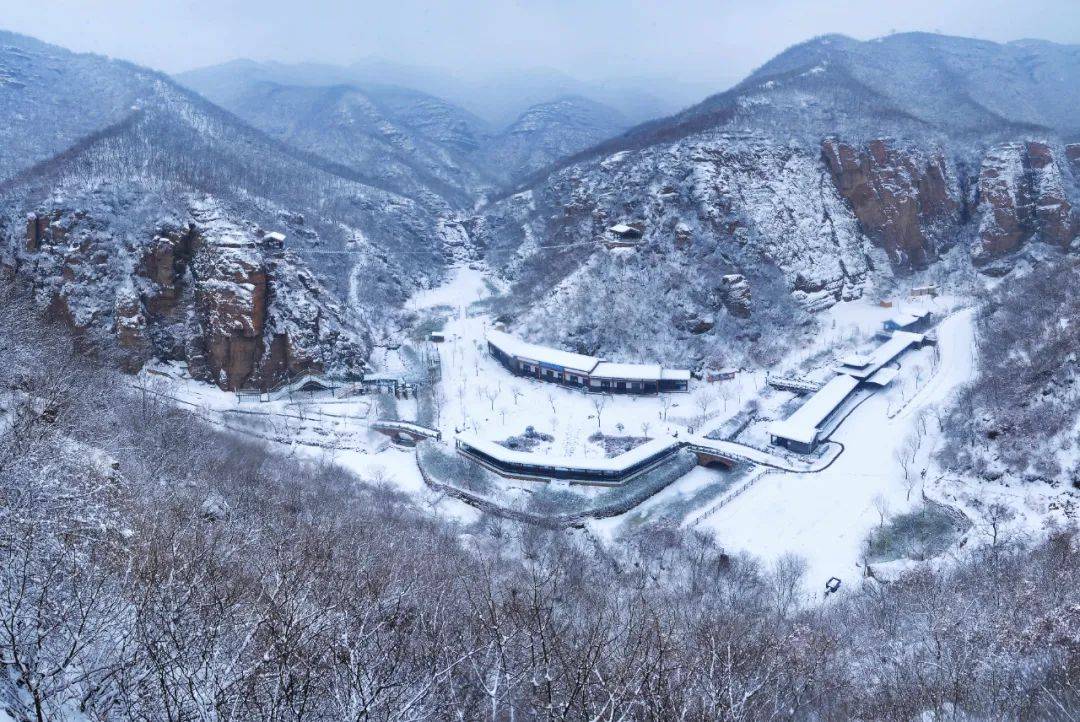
{"points": [[956, 364]]}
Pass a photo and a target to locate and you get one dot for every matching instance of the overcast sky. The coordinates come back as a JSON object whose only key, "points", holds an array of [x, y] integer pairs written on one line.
{"points": [[695, 40]]}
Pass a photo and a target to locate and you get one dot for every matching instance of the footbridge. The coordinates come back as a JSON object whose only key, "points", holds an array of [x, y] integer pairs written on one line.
{"points": [[731, 453], [405, 431]]}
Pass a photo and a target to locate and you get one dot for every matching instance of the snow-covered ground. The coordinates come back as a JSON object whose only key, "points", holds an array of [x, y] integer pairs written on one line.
{"points": [[315, 426], [823, 517], [478, 394]]}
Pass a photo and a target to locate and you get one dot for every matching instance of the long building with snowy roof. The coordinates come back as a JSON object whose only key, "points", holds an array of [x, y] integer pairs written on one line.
{"points": [[802, 430], [579, 370], [580, 469], [810, 423]]}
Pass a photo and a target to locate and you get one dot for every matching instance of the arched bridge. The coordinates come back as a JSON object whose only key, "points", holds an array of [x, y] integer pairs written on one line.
{"points": [[405, 431]]}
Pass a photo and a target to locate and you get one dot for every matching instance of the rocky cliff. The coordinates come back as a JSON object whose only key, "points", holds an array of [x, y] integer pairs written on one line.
{"points": [[1021, 197], [907, 202], [221, 295]]}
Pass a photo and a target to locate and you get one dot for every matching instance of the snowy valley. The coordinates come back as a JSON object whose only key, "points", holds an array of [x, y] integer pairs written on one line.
{"points": [[327, 398]]}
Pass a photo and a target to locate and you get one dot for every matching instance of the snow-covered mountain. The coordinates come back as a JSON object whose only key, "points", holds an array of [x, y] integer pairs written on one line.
{"points": [[832, 170], [398, 139], [548, 132], [404, 140], [144, 222], [497, 95], [837, 165]]}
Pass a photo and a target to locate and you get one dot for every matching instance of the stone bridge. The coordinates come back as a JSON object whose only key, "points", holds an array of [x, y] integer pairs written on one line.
{"points": [[405, 431]]}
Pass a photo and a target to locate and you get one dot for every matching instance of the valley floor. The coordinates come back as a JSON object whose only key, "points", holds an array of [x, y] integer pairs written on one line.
{"points": [[880, 466]]}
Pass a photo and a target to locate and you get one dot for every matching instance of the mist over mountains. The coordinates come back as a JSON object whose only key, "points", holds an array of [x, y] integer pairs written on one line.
{"points": [[499, 98]]}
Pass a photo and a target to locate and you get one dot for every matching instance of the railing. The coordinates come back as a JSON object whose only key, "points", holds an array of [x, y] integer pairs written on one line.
{"points": [[408, 428], [788, 383]]}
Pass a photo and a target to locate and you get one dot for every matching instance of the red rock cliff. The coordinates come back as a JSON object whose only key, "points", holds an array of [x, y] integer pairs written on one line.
{"points": [[904, 200]]}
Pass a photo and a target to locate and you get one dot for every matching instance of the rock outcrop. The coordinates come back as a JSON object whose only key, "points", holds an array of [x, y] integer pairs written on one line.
{"points": [[1072, 156], [218, 294], [904, 200], [1022, 197], [734, 292]]}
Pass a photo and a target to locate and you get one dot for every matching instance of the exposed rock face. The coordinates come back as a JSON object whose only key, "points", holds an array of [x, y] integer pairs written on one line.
{"points": [[220, 295], [1072, 155], [131, 335], [1054, 220], [735, 294], [1021, 197], [905, 201], [230, 303]]}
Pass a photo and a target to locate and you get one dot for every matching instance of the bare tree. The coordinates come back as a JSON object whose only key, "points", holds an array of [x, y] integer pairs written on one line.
{"points": [[665, 405], [705, 398], [787, 577], [881, 506], [998, 517], [599, 402]]}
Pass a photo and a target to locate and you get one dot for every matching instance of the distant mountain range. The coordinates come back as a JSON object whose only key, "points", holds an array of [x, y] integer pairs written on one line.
{"points": [[498, 97], [400, 138]]}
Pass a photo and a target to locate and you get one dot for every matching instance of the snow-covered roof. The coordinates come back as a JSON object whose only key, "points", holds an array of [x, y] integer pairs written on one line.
{"points": [[622, 228], [855, 360], [884, 376], [675, 374], [645, 372], [802, 426], [883, 354], [513, 346], [903, 320], [614, 464]]}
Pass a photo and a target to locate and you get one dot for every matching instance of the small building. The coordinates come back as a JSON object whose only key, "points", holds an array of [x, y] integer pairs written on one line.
{"points": [[802, 431], [436, 337], [612, 471], [581, 371], [863, 366], [724, 374], [625, 231], [930, 289], [273, 241], [623, 235]]}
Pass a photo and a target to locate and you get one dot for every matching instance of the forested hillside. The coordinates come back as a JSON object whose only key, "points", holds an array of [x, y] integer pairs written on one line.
{"points": [[151, 568]]}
